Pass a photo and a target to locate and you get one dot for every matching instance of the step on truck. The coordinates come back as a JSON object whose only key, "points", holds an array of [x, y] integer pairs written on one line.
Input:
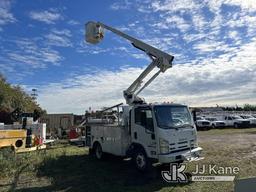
{"points": [[156, 132]]}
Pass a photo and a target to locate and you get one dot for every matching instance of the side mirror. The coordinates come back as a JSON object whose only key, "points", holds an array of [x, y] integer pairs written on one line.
{"points": [[194, 115]]}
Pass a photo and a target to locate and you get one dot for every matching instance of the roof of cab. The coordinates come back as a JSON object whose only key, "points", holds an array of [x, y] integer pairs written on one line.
{"points": [[162, 104]]}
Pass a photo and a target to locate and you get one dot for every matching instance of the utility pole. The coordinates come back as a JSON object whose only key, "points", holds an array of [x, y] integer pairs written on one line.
{"points": [[34, 94]]}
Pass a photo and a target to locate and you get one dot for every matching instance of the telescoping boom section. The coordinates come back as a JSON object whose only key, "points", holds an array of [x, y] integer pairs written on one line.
{"points": [[160, 59]]}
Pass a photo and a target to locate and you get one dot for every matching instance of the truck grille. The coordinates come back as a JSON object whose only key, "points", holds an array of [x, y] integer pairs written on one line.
{"points": [[181, 146], [245, 122], [205, 123]]}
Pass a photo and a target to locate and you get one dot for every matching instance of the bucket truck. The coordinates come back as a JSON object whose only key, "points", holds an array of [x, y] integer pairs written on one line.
{"points": [[147, 133]]}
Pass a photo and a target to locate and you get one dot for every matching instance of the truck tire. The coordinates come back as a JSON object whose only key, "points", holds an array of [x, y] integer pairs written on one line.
{"points": [[235, 125], [98, 153], [141, 161]]}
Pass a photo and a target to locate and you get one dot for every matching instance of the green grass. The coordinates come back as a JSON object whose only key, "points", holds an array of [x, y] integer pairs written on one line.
{"points": [[69, 168]]}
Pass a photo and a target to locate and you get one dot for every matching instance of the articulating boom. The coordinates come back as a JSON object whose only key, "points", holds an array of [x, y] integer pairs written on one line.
{"points": [[160, 59]]}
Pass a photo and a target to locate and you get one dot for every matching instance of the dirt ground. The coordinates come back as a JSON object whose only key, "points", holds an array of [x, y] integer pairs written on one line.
{"points": [[70, 168]]}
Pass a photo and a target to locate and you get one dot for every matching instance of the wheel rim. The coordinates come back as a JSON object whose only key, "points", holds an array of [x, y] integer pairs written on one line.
{"points": [[98, 152], [140, 160]]}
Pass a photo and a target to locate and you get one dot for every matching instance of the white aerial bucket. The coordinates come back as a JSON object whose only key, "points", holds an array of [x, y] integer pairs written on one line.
{"points": [[94, 33]]}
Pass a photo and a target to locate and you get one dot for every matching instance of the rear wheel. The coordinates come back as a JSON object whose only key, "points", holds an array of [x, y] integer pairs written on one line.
{"points": [[98, 151]]}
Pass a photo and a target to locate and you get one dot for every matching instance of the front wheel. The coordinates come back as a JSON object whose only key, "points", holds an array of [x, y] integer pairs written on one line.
{"points": [[141, 160]]}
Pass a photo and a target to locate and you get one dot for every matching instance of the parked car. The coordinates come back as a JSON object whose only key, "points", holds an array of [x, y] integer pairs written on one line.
{"points": [[202, 123], [215, 123], [236, 121], [250, 118]]}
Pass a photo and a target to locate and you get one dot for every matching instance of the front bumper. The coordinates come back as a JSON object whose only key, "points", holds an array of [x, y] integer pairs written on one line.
{"points": [[187, 155]]}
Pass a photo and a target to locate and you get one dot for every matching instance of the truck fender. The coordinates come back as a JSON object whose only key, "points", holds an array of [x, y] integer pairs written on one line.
{"points": [[131, 149]]}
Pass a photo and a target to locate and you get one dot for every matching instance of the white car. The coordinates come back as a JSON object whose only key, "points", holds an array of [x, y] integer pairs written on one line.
{"points": [[202, 123], [250, 118], [236, 121], [215, 123]]}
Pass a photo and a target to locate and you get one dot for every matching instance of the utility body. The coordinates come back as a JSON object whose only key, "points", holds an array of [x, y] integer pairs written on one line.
{"points": [[162, 132]]}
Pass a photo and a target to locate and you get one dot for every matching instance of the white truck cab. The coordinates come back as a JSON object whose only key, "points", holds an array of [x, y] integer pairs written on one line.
{"points": [[250, 118], [236, 121], [161, 133], [215, 123], [202, 123]]}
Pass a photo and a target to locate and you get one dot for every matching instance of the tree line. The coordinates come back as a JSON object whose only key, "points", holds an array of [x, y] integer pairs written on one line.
{"points": [[14, 97], [245, 107]]}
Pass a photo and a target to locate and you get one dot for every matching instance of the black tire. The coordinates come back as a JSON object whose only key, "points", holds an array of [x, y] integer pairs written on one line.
{"points": [[141, 161], [98, 153], [213, 126], [236, 125]]}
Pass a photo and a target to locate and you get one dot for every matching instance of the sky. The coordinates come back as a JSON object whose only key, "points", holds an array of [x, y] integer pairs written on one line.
{"points": [[213, 42]]}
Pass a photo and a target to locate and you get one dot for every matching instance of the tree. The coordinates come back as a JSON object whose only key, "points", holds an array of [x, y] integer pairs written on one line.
{"points": [[249, 107], [12, 97]]}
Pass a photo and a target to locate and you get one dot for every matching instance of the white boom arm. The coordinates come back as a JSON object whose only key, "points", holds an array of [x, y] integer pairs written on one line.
{"points": [[160, 59]]}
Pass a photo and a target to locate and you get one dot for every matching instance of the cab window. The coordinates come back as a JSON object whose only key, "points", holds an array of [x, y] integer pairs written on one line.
{"points": [[143, 117]]}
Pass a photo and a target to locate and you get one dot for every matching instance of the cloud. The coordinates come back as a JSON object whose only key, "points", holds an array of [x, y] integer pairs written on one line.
{"points": [[49, 16], [222, 80], [234, 35], [248, 5], [5, 15], [209, 46], [178, 22], [73, 22], [214, 51], [121, 5], [214, 55], [59, 38], [173, 6], [29, 54]]}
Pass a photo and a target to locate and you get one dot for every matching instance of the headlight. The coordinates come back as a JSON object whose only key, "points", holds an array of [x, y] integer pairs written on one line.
{"points": [[164, 146]]}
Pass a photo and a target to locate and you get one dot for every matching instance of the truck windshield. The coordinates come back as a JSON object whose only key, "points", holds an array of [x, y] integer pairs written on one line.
{"points": [[173, 117]]}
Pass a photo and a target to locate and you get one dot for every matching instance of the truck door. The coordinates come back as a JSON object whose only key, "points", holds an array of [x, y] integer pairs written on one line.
{"points": [[142, 129], [229, 120]]}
